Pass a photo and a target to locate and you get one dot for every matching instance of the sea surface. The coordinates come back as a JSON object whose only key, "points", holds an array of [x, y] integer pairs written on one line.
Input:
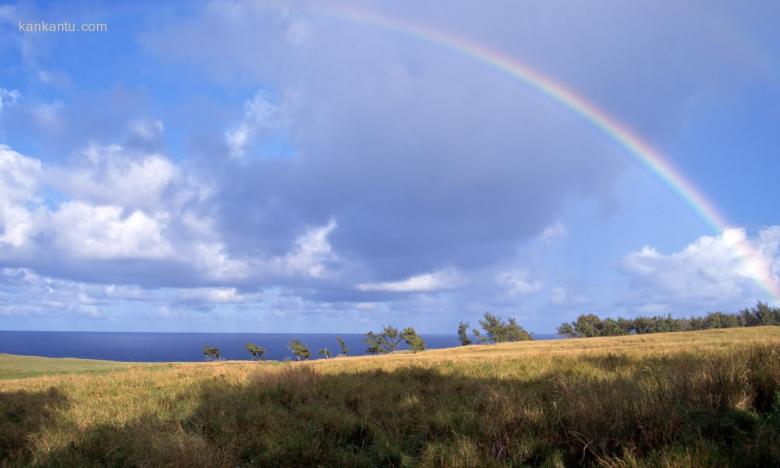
{"points": [[162, 347]]}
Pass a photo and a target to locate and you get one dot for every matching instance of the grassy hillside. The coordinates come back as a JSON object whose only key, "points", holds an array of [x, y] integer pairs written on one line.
{"points": [[709, 398], [16, 367]]}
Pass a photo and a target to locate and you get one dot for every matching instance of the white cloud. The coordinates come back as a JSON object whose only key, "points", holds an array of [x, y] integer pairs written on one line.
{"points": [[562, 297], [106, 232], [259, 115], [311, 253], [19, 181], [8, 97], [435, 281], [212, 295], [553, 232], [146, 129], [713, 270], [111, 174], [517, 283]]}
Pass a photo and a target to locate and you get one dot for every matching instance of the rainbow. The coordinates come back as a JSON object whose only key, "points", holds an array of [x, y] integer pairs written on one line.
{"points": [[756, 265]]}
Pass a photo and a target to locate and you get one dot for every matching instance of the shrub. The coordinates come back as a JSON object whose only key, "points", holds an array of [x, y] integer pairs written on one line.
{"points": [[211, 354]]}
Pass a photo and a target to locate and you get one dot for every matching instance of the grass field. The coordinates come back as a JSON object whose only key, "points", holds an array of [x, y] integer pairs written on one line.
{"points": [[708, 398], [17, 367]]}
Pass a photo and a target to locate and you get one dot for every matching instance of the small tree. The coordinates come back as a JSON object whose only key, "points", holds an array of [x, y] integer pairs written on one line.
{"points": [[300, 350], [463, 334], [257, 352], [343, 346], [385, 342], [478, 336], [499, 331], [324, 352], [413, 340], [211, 354]]}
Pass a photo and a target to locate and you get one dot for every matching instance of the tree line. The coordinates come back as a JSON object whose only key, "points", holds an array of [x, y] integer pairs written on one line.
{"points": [[495, 330], [590, 325], [385, 341]]}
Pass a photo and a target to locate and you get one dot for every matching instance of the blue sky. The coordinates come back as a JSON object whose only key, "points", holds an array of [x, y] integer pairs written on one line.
{"points": [[277, 167]]}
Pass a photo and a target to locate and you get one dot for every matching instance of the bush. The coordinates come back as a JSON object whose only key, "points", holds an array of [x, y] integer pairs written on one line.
{"points": [[211, 354]]}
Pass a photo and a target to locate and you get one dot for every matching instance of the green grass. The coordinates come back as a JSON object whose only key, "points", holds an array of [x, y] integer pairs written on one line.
{"points": [[16, 367], [709, 398]]}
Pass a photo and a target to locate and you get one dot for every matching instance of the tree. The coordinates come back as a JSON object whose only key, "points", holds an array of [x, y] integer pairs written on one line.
{"points": [[300, 350], [478, 336], [257, 352], [343, 346], [463, 334], [211, 354], [413, 340], [324, 352], [610, 327], [499, 331], [588, 325], [566, 330], [385, 342]]}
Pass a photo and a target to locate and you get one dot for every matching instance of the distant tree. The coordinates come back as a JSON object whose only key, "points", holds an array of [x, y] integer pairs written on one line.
{"points": [[385, 342], [343, 346], [499, 331], [300, 350], [492, 326], [324, 352], [211, 354], [478, 336], [257, 352], [591, 325], [588, 325], [566, 330], [463, 334], [610, 327], [766, 315], [412, 339], [626, 325]]}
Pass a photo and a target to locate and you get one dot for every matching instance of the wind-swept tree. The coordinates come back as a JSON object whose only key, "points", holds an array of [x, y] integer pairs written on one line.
{"points": [[499, 331], [257, 352], [412, 339], [478, 336], [324, 352], [211, 354], [343, 346], [463, 333], [300, 350], [385, 342]]}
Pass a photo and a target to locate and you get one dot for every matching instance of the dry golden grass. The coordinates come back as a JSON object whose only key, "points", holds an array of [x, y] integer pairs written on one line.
{"points": [[688, 398]]}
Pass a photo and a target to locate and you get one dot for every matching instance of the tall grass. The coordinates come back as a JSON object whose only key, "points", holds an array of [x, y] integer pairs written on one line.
{"points": [[691, 399]]}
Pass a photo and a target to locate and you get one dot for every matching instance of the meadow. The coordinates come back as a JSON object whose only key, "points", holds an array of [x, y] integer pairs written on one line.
{"points": [[703, 398]]}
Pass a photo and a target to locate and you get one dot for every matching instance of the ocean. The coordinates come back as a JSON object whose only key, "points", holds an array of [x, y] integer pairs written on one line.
{"points": [[162, 347]]}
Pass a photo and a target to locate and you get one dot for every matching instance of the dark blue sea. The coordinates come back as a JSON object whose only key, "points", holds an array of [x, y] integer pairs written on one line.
{"points": [[161, 347]]}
